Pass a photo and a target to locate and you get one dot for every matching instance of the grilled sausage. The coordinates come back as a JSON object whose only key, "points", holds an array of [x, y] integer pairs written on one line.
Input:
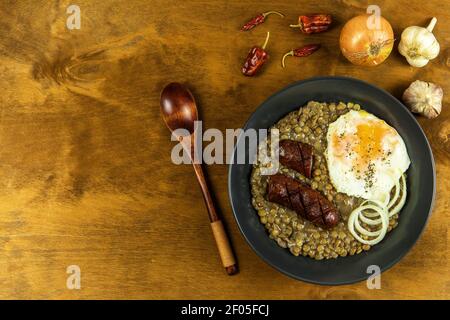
{"points": [[308, 203], [297, 155]]}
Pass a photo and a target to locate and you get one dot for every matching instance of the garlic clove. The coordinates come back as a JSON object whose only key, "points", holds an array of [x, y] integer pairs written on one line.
{"points": [[403, 49], [431, 51], [431, 113], [409, 35], [427, 41], [417, 61]]}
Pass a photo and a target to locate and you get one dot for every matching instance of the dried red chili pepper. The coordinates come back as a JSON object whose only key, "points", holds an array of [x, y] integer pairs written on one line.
{"points": [[260, 18], [313, 23], [301, 52], [255, 59]]}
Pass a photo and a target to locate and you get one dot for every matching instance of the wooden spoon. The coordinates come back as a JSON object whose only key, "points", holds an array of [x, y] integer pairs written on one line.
{"points": [[179, 112]]}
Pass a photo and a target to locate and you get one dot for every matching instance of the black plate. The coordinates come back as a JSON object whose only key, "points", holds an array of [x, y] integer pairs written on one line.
{"points": [[413, 217]]}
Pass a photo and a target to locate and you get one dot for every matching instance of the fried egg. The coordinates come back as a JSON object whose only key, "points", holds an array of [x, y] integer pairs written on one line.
{"points": [[365, 156]]}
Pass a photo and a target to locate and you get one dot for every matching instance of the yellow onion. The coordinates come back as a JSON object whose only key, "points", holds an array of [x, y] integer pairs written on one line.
{"points": [[365, 43]]}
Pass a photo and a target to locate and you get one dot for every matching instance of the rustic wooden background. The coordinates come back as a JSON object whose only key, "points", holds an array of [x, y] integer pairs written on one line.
{"points": [[85, 170]]}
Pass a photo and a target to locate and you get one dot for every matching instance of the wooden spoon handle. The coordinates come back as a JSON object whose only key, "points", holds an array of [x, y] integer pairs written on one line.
{"points": [[223, 244], [222, 241]]}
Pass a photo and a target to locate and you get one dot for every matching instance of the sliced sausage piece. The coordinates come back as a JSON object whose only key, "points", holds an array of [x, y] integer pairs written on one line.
{"points": [[297, 156], [308, 203]]}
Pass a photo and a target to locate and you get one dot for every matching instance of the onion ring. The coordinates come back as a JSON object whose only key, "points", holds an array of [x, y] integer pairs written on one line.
{"points": [[396, 194], [379, 234], [402, 201]]}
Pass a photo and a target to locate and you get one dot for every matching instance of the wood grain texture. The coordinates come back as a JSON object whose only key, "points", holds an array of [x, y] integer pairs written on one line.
{"points": [[85, 170]]}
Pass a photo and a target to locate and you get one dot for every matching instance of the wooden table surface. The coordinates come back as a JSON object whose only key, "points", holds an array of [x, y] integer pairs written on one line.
{"points": [[85, 172]]}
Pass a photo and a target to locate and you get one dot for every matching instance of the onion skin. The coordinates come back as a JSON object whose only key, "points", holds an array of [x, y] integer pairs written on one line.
{"points": [[363, 46]]}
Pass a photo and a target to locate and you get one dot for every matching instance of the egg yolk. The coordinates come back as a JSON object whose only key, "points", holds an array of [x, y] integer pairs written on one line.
{"points": [[364, 145]]}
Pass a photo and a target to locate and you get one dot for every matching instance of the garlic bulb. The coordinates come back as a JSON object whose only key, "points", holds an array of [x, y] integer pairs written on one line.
{"points": [[424, 98], [419, 45]]}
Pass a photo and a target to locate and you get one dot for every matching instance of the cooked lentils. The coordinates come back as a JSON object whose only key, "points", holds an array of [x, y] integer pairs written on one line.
{"points": [[310, 125]]}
